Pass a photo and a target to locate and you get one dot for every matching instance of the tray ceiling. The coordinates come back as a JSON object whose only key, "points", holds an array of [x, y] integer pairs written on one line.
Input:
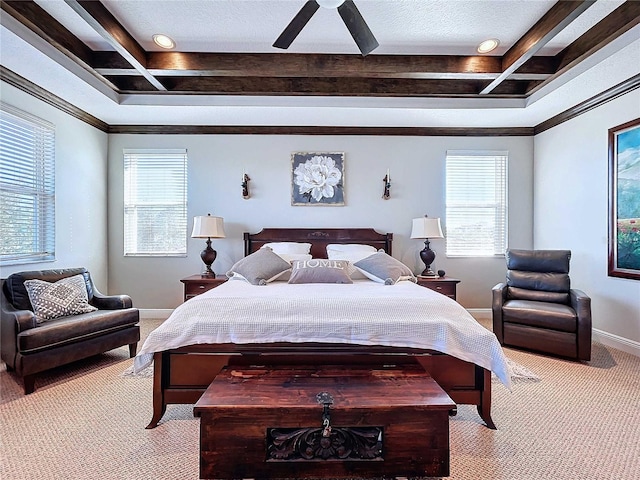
{"points": [[224, 57]]}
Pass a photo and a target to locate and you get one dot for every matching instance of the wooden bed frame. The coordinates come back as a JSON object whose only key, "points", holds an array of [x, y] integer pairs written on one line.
{"points": [[182, 375]]}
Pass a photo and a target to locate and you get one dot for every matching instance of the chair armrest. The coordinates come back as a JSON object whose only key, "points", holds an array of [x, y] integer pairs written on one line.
{"points": [[111, 302], [16, 321], [581, 303], [12, 322], [499, 296]]}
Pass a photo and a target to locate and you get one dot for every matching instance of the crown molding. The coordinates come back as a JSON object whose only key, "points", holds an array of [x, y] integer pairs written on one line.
{"points": [[36, 91], [21, 83], [583, 107], [320, 130]]}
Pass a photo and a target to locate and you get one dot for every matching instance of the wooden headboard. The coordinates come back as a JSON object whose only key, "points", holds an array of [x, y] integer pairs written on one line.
{"points": [[319, 238]]}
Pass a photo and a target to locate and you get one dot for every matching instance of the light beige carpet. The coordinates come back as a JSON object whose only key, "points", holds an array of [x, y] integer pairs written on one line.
{"points": [[86, 421]]}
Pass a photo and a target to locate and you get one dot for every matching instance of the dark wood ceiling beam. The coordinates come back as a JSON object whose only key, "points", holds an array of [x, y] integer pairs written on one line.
{"points": [[622, 19], [31, 15], [319, 65], [103, 22], [442, 67], [320, 86], [555, 20], [36, 19], [119, 72]]}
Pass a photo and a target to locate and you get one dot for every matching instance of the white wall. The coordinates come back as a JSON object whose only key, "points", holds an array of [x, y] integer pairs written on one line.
{"points": [[81, 190], [571, 211], [215, 169]]}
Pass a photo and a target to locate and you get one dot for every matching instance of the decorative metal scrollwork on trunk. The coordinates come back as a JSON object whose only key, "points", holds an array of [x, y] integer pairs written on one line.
{"points": [[342, 443]]}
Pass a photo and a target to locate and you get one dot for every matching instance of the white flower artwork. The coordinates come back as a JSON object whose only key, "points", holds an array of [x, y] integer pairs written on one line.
{"points": [[317, 179]]}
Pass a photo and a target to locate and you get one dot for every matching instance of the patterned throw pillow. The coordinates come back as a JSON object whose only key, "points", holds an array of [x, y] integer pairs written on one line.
{"points": [[67, 296], [320, 271]]}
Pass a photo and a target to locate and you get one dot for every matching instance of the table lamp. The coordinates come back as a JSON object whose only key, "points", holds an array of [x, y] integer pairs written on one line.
{"points": [[427, 228], [208, 227]]}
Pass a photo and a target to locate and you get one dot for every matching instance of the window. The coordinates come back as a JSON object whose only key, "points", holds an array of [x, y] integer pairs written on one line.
{"points": [[155, 203], [27, 188], [476, 206]]}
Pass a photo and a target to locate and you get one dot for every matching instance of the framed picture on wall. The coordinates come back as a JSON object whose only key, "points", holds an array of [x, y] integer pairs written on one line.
{"points": [[624, 200], [317, 178]]}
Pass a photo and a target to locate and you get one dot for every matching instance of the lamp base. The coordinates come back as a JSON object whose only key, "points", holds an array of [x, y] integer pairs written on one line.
{"points": [[208, 255], [428, 256], [427, 272]]}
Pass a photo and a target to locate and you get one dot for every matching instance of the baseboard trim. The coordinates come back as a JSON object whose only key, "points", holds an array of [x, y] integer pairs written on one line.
{"points": [[480, 313], [162, 313], [617, 342]]}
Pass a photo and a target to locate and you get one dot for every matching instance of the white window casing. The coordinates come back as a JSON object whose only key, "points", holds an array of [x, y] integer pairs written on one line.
{"points": [[476, 203], [155, 202], [27, 187]]}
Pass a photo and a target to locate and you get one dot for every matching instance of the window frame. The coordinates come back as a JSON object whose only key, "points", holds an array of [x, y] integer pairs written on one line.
{"points": [[28, 186], [133, 161], [497, 186]]}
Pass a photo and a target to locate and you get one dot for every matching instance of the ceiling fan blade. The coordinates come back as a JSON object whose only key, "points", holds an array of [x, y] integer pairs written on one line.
{"points": [[297, 24], [358, 27]]}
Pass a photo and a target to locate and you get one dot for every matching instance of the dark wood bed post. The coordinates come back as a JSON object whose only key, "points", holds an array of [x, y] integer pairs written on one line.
{"points": [[484, 408], [159, 405]]}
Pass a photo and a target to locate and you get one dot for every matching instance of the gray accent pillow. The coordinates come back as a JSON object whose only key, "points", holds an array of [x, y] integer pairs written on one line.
{"points": [[320, 271], [383, 268], [260, 267], [67, 296]]}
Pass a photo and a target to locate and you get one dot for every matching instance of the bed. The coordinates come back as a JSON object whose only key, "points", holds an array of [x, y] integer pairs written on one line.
{"points": [[242, 324]]}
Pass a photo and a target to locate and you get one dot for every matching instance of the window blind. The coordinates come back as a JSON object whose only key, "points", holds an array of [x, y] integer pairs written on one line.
{"points": [[27, 187], [476, 203], [155, 202]]}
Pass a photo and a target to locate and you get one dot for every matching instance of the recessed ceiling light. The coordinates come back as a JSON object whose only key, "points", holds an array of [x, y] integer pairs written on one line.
{"points": [[488, 45], [163, 41]]}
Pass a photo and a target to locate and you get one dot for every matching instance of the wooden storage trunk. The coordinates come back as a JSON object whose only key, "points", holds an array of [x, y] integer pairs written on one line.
{"points": [[270, 422]]}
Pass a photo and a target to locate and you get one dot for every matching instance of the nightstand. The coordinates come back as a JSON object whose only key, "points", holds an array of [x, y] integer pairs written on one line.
{"points": [[197, 284], [443, 285]]}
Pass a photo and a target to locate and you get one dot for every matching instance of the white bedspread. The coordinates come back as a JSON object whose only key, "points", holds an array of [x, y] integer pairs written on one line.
{"points": [[364, 313]]}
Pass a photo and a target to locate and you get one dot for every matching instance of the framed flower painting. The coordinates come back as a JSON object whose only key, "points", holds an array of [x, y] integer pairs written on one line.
{"points": [[317, 178], [624, 200]]}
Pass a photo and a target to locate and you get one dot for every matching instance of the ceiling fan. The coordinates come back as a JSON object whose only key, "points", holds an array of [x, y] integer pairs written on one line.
{"points": [[350, 16]]}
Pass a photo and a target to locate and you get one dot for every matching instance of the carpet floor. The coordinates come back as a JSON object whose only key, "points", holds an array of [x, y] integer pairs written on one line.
{"points": [[580, 421]]}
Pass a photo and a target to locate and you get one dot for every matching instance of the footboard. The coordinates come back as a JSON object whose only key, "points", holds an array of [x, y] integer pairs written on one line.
{"points": [[182, 375]]}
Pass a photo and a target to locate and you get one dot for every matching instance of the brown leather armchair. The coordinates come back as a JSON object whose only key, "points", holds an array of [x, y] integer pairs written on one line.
{"points": [[28, 347], [536, 309]]}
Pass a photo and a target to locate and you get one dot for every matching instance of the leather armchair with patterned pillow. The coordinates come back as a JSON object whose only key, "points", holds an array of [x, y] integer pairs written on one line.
{"points": [[50, 318], [537, 309]]}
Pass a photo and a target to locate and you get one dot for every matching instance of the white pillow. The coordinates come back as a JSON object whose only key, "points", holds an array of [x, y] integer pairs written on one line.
{"points": [[352, 252], [291, 257], [288, 247]]}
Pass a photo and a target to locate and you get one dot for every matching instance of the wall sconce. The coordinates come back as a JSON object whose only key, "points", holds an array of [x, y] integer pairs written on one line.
{"points": [[387, 185], [245, 185]]}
